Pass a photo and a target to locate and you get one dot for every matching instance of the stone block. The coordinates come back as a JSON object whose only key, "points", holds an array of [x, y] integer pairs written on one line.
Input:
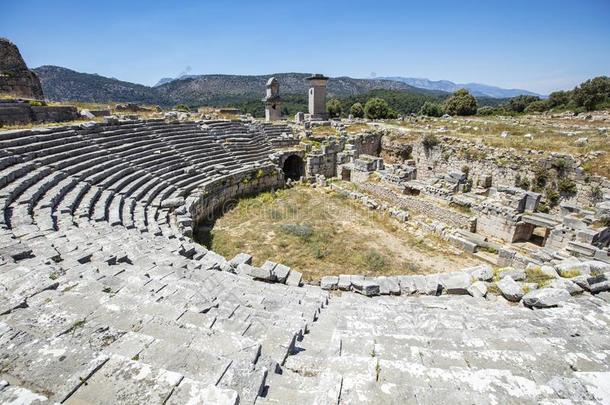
{"points": [[294, 278], [545, 297], [567, 285], [281, 272], [510, 289], [241, 258], [329, 282], [365, 287], [455, 283], [515, 274], [345, 282], [481, 273], [478, 289]]}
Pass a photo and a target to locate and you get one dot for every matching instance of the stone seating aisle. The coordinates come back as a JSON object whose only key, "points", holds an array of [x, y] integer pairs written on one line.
{"points": [[448, 349], [100, 301]]}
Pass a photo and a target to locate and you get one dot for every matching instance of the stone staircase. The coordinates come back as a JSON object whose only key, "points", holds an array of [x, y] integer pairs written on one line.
{"points": [[457, 349]]}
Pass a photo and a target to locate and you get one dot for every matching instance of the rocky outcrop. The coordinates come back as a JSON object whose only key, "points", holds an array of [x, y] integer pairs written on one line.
{"points": [[15, 78]]}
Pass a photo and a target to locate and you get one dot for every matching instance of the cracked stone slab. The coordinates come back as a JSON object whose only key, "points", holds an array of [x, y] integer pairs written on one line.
{"points": [[124, 381]]}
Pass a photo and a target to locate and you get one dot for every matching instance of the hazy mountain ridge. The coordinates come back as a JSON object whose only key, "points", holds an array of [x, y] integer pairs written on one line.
{"points": [[477, 89], [63, 84]]}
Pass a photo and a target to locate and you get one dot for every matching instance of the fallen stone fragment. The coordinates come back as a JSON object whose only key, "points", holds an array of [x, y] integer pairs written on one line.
{"points": [[545, 297], [329, 282], [597, 267], [516, 275], [549, 271], [599, 283], [572, 268], [478, 289], [481, 273], [567, 285], [510, 289]]}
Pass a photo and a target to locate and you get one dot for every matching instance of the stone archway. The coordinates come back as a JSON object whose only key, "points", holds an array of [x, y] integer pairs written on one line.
{"points": [[293, 167]]}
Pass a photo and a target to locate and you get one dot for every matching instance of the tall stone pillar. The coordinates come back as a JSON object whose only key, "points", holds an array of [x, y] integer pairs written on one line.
{"points": [[273, 101], [317, 97]]}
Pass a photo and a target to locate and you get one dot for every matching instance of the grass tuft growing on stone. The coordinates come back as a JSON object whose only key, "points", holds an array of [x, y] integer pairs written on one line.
{"points": [[535, 275]]}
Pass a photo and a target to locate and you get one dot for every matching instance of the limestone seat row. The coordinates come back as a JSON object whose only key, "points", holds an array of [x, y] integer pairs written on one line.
{"points": [[102, 300]]}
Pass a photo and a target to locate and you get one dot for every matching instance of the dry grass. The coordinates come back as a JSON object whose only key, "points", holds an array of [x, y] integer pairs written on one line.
{"points": [[324, 130], [357, 128], [548, 134], [318, 232]]}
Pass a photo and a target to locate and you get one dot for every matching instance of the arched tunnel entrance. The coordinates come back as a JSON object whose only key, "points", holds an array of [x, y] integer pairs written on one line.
{"points": [[293, 167]]}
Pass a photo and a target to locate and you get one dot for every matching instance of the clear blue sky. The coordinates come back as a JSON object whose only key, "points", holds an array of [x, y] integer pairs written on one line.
{"points": [[540, 45]]}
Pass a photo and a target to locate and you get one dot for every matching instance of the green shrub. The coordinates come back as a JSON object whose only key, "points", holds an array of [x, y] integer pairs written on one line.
{"points": [[522, 182], [182, 107], [431, 109], [466, 170], [430, 141], [374, 260], [487, 110], [566, 186], [596, 194], [357, 110], [461, 103], [559, 164], [541, 178], [36, 103], [552, 196], [376, 108], [333, 107]]}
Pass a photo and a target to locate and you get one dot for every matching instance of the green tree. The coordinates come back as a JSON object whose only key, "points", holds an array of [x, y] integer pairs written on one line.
{"points": [[333, 107], [537, 106], [431, 109], [559, 98], [520, 103], [376, 108], [461, 103], [486, 110], [357, 110], [592, 93]]}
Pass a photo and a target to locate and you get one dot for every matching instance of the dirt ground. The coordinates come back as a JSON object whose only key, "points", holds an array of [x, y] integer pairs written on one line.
{"points": [[318, 232]]}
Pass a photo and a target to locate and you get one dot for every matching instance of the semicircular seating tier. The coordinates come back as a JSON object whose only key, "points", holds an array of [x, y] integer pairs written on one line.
{"points": [[105, 299], [92, 267]]}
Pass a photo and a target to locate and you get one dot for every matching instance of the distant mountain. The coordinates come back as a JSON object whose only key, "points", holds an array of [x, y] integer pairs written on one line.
{"points": [[477, 89], [63, 84]]}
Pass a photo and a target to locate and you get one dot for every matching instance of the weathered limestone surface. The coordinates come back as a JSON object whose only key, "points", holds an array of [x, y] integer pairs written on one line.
{"points": [[104, 298], [453, 349]]}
